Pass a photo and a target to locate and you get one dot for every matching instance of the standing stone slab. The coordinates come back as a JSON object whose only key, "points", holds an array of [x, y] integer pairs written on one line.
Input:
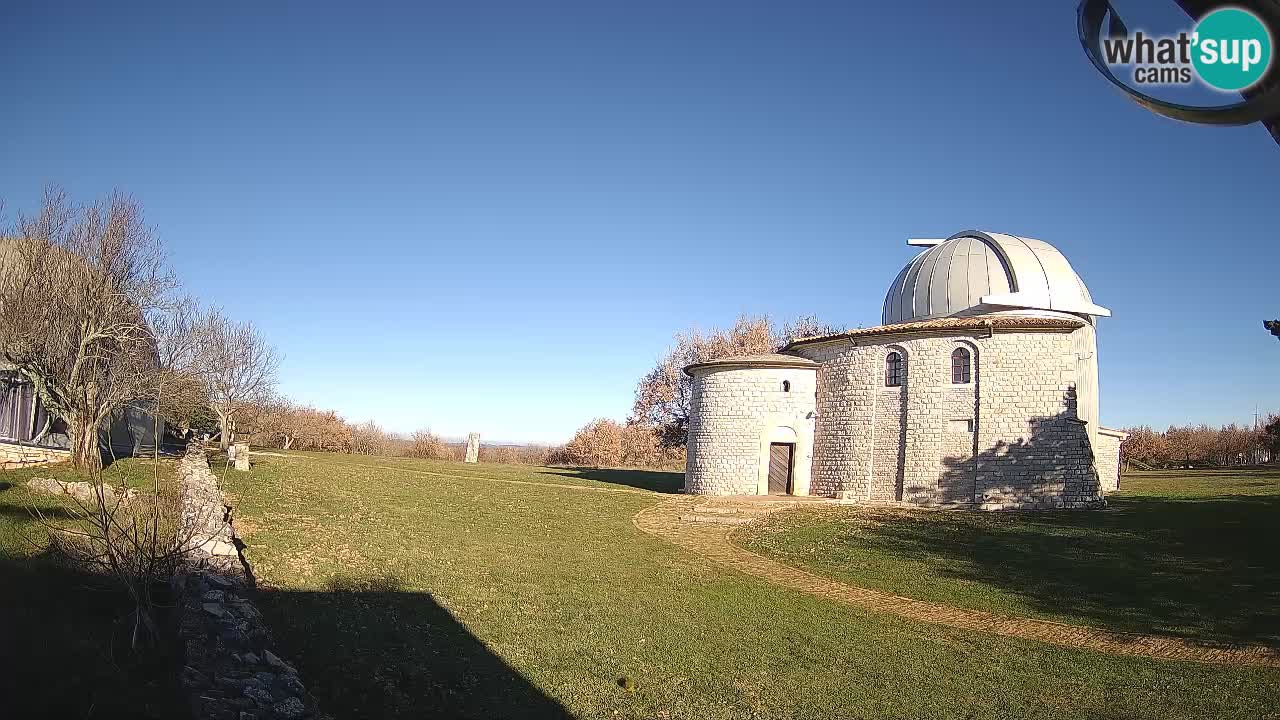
{"points": [[473, 447], [242, 456]]}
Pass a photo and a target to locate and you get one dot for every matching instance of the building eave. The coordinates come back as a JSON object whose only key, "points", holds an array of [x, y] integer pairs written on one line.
{"points": [[1002, 323], [752, 361]]}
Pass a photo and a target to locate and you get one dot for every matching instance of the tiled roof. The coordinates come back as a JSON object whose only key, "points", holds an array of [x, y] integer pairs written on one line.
{"points": [[761, 360], [995, 322]]}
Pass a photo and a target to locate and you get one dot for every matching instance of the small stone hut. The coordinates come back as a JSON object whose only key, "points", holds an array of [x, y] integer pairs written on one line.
{"points": [[979, 390]]}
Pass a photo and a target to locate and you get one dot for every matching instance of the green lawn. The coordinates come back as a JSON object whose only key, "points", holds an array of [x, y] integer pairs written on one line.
{"points": [[1191, 552], [419, 589], [64, 633]]}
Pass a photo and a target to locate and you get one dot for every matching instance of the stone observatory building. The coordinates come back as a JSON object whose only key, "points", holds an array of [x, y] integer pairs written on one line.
{"points": [[979, 390]]}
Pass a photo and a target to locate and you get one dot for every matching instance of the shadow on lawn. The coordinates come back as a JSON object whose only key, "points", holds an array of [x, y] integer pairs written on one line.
{"points": [[372, 650], [22, 512], [661, 481], [64, 648], [64, 637], [1204, 567], [1207, 567], [366, 650]]}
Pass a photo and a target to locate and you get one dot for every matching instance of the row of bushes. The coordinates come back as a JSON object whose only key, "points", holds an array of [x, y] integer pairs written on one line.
{"points": [[606, 443], [601, 443], [1203, 445]]}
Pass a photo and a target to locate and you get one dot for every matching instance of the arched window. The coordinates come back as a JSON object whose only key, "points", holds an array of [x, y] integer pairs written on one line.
{"points": [[786, 386], [960, 374], [894, 371]]}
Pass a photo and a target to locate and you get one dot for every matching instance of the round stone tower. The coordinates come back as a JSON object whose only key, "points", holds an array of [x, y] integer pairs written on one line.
{"points": [[751, 425]]}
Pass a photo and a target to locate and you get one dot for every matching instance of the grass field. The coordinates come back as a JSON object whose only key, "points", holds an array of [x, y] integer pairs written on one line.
{"points": [[64, 633], [1192, 553], [415, 588]]}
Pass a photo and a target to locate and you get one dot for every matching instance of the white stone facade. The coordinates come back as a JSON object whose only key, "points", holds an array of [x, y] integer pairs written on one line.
{"points": [[1109, 458], [738, 410], [1009, 438], [1021, 433]]}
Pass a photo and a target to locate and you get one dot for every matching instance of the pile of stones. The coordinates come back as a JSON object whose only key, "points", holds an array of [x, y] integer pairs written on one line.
{"points": [[231, 672], [86, 493]]}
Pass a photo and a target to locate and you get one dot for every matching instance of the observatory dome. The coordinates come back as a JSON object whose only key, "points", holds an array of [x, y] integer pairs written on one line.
{"points": [[975, 273]]}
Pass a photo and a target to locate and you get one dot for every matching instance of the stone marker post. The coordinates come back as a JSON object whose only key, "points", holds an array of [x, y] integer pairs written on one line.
{"points": [[242, 456], [473, 447]]}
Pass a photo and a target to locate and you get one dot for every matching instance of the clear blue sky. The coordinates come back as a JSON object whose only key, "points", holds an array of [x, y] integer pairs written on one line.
{"points": [[493, 216]]}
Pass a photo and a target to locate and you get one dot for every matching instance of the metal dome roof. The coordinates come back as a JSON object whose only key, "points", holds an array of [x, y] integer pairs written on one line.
{"points": [[974, 272]]}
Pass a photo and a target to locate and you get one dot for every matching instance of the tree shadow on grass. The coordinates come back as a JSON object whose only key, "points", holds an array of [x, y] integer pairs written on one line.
{"points": [[366, 650], [1202, 567], [64, 647], [25, 513], [1206, 568], [661, 481], [372, 650]]}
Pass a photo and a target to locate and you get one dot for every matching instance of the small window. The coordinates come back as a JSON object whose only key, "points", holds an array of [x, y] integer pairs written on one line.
{"points": [[893, 370], [960, 366], [786, 386]]}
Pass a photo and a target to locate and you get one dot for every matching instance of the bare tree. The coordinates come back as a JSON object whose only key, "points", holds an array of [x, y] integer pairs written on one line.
{"points": [[1269, 438], [664, 393], [79, 287], [368, 438], [180, 395], [321, 430], [428, 445], [275, 423], [238, 367], [806, 326], [606, 443], [1144, 445], [286, 425]]}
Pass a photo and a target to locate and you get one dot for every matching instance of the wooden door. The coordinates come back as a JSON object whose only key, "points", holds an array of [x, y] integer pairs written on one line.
{"points": [[780, 455]]}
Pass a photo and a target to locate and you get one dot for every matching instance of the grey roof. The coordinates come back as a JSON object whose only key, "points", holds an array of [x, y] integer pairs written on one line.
{"points": [[974, 272], [761, 360]]}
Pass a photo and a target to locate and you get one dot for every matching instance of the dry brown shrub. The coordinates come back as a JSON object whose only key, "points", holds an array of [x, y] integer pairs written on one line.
{"points": [[663, 394]]}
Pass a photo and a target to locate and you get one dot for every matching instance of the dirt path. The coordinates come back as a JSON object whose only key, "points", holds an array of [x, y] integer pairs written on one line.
{"points": [[713, 541]]}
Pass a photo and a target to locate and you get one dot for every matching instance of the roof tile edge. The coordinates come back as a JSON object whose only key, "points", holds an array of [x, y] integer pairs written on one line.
{"points": [[936, 325]]}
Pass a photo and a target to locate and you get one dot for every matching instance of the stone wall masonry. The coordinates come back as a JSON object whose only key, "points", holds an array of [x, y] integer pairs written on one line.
{"points": [[1109, 458], [15, 455], [231, 672], [841, 454], [889, 444], [83, 492], [1009, 439], [733, 412], [1034, 451]]}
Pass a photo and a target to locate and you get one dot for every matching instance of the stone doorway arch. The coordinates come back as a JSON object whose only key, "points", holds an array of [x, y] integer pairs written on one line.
{"points": [[785, 433]]}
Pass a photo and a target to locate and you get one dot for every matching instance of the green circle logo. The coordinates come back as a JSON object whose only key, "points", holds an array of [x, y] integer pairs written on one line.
{"points": [[1232, 49]]}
